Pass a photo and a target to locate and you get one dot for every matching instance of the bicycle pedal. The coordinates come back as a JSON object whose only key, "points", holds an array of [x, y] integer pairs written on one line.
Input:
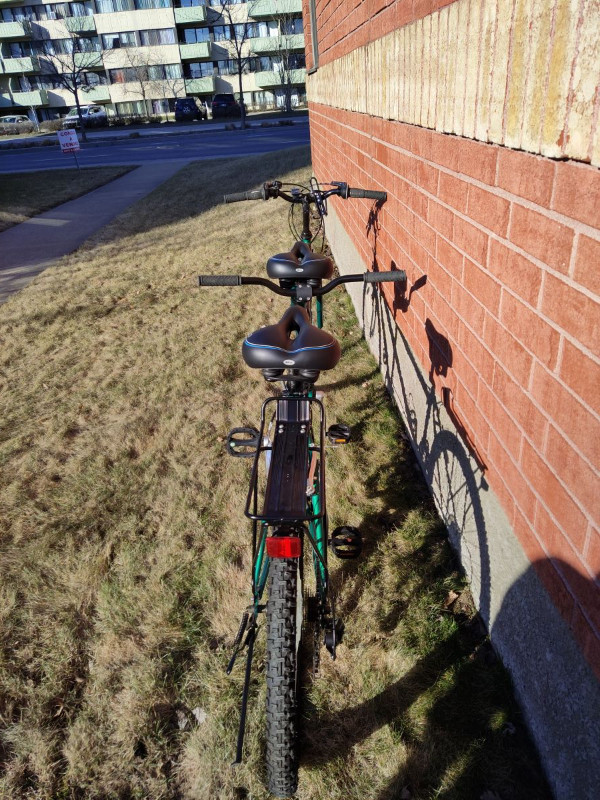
{"points": [[243, 442], [338, 434], [333, 637], [346, 542]]}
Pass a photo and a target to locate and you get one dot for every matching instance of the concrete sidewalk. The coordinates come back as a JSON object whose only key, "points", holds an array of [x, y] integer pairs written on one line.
{"points": [[33, 246]]}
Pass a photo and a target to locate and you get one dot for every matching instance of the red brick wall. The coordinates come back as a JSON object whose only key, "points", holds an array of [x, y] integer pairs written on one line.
{"points": [[510, 245]]}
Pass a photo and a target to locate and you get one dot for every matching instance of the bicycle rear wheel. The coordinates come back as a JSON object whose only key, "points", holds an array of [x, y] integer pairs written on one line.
{"points": [[282, 668]]}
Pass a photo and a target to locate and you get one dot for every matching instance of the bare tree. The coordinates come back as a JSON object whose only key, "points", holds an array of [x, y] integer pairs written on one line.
{"points": [[147, 78], [70, 67], [231, 17], [287, 56]]}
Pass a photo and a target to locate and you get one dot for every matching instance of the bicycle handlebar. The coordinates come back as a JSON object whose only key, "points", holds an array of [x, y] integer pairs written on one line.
{"points": [[239, 196], [273, 189], [397, 276]]}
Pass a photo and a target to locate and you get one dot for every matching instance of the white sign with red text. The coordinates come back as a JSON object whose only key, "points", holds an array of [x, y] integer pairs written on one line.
{"points": [[69, 142]]}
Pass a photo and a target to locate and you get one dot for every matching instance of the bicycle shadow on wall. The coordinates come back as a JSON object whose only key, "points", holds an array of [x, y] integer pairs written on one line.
{"points": [[458, 678]]}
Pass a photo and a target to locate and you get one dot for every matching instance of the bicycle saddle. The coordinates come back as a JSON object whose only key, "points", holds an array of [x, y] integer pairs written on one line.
{"points": [[274, 346], [300, 264]]}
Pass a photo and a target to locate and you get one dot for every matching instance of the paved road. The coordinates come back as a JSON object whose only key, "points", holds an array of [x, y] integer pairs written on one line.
{"points": [[174, 147]]}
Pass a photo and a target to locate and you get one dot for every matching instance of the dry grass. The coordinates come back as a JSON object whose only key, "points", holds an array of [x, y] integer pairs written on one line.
{"points": [[125, 554], [26, 194]]}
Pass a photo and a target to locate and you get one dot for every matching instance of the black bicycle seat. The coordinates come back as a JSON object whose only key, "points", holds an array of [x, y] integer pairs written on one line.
{"points": [[300, 264], [276, 347]]}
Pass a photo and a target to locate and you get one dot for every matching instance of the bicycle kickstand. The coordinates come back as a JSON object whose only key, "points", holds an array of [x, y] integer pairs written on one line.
{"points": [[252, 629]]}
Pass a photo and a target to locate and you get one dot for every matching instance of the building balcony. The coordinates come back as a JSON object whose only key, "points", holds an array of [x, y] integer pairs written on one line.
{"points": [[188, 16], [274, 44], [273, 80], [200, 85], [81, 24], [94, 94], [267, 9], [92, 60], [197, 51], [24, 99], [20, 66], [12, 31]]}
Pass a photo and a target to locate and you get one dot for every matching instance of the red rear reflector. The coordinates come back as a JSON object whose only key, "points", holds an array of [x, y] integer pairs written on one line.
{"points": [[284, 546]]}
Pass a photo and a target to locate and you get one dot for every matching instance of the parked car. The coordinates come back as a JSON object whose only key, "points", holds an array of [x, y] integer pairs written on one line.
{"points": [[188, 108], [92, 117], [8, 123], [14, 119], [225, 105]]}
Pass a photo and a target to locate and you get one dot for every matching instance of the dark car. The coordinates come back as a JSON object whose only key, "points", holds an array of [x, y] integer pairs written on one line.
{"points": [[225, 105], [187, 108]]}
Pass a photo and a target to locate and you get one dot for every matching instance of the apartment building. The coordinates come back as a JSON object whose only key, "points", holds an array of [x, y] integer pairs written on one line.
{"points": [[135, 57]]}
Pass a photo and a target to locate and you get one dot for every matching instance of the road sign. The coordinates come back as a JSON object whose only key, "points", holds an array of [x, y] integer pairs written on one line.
{"points": [[69, 142]]}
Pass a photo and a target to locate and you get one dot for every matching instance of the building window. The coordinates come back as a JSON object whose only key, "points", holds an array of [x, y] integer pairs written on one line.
{"points": [[159, 36], [111, 41], [199, 69], [131, 109], [109, 6], [146, 4], [193, 35]]}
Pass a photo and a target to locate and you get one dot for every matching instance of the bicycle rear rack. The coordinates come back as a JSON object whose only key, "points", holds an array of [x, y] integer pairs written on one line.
{"points": [[286, 491]]}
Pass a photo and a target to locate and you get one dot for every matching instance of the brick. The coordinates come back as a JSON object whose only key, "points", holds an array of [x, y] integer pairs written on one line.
{"points": [[450, 258], [506, 349], [587, 264], [468, 309], [542, 237], [581, 374], [476, 353], [557, 588], [573, 312], [524, 529], [473, 241], [577, 474], [444, 151], [592, 555], [427, 177], [577, 192], [505, 449], [534, 333], [488, 209], [526, 175], [478, 160], [520, 275], [570, 526], [453, 191], [581, 427], [520, 407], [440, 218], [482, 286]]}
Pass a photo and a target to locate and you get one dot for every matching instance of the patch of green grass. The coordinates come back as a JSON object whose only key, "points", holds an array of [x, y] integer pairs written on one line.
{"points": [[26, 194], [125, 554]]}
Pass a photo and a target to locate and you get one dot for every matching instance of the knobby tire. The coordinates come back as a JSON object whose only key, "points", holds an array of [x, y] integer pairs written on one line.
{"points": [[282, 765]]}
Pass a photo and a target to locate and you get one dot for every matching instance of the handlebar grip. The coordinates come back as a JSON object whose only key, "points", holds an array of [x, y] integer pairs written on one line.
{"points": [[259, 194], [367, 193], [397, 276], [219, 280]]}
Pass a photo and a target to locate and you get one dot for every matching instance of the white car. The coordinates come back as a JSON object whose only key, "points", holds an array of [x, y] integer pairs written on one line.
{"points": [[92, 116], [14, 119]]}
